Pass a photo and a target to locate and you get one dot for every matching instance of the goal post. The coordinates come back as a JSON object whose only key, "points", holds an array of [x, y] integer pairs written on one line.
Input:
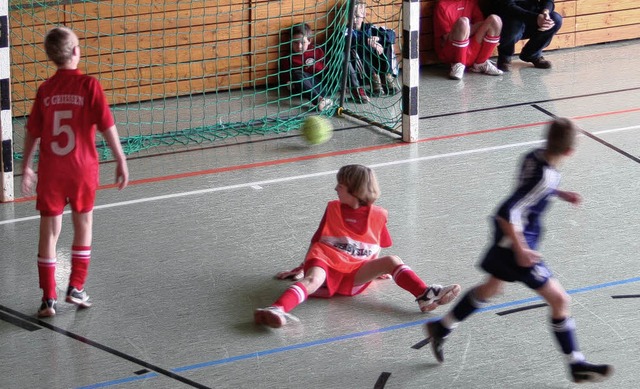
{"points": [[411, 70], [6, 126]]}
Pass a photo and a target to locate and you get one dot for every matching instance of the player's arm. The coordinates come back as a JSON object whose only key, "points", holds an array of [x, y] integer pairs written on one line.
{"points": [[28, 175], [122, 171], [547, 6], [525, 256], [570, 197], [297, 272], [441, 24], [514, 10]]}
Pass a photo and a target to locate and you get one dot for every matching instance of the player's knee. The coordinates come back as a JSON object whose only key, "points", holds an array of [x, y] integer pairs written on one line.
{"points": [[395, 260], [314, 277], [484, 292], [494, 22], [462, 25], [557, 19], [560, 301], [566, 300]]}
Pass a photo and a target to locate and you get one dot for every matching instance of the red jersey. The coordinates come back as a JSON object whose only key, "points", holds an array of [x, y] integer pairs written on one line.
{"points": [[311, 61], [344, 249], [447, 12], [68, 108]]}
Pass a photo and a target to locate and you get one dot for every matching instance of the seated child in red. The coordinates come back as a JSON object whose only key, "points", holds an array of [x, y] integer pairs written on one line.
{"points": [[343, 255]]}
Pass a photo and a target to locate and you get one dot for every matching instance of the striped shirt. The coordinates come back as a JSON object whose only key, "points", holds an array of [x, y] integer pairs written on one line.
{"points": [[536, 182]]}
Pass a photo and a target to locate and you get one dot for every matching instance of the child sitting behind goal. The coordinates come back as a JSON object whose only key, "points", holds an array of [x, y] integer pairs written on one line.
{"points": [[373, 53], [303, 67]]}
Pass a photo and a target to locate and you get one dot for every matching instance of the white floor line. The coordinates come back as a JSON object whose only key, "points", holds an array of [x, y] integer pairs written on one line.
{"points": [[305, 176]]}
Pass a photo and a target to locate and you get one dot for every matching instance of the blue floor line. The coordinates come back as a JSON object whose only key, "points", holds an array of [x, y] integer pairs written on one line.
{"points": [[343, 337]]}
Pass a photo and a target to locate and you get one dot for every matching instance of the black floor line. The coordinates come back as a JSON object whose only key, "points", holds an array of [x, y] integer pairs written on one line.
{"points": [[16, 321], [382, 380], [626, 296], [502, 313], [44, 324], [527, 103], [590, 135], [421, 344]]}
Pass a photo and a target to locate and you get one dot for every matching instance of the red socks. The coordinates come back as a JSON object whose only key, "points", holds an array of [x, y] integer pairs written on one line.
{"points": [[47, 277], [292, 297], [489, 43], [460, 51], [80, 258], [408, 280]]}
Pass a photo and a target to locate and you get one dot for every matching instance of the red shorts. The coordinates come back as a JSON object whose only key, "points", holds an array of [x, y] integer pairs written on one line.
{"points": [[52, 197], [448, 52], [336, 282]]}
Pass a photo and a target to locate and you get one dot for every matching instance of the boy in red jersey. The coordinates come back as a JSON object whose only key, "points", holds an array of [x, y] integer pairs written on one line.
{"points": [[67, 109], [463, 37], [343, 255], [304, 66]]}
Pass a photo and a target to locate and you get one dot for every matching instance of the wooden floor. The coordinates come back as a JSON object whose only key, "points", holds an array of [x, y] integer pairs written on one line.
{"points": [[183, 256]]}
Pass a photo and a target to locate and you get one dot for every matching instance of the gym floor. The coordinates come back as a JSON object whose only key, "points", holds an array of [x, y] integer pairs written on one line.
{"points": [[183, 256]]}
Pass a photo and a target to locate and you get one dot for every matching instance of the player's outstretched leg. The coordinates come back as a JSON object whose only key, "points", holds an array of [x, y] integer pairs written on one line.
{"points": [[582, 372], [436, 295]]}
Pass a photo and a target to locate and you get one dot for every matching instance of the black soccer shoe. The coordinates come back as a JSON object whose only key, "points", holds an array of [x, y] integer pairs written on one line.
{"points": [[436, 333], [582, 372]]}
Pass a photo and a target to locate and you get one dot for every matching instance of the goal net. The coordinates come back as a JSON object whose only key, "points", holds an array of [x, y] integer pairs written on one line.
{"points": [[192, 73]]}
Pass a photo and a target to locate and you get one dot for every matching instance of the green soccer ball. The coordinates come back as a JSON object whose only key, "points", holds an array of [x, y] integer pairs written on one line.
{"points": [[316, 130]]}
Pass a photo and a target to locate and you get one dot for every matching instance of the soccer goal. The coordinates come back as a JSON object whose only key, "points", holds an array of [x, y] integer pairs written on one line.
{"points": [[192, 73]]}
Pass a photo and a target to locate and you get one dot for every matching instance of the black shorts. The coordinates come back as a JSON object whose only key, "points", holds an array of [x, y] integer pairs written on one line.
{"points": [[501, 263]]}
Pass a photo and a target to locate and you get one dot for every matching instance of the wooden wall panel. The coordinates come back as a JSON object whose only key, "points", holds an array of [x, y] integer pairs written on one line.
{"points": [[144, 49]]}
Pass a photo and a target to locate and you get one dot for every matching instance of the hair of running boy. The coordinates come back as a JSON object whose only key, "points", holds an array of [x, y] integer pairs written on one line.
{"points": [[561, 136]]}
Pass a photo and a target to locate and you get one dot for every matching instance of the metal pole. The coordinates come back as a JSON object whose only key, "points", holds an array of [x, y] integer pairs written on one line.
{"points": [[6, 125], [347, 51]]}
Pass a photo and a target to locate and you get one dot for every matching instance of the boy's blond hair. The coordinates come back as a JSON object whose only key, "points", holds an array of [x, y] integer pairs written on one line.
{"points": [[561, 136], [59, 44], [360, 6], [361, 182]]}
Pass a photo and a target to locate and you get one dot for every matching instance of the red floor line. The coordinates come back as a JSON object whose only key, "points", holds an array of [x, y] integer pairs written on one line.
{"points": [[334, 153], [595, 115], [316, 156]]}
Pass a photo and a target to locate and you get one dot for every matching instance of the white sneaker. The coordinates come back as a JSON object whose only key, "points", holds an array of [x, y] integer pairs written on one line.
{"points": [[273, 317], [457, 71], [437, 295], [487, 67], [324, 104]]}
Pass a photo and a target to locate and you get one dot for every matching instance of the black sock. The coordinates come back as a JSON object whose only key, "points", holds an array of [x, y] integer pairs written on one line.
{"points": [[565, 332]]}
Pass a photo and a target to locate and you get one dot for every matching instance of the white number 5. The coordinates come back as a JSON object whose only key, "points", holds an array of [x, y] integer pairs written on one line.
{"points": [[58, 129]]}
